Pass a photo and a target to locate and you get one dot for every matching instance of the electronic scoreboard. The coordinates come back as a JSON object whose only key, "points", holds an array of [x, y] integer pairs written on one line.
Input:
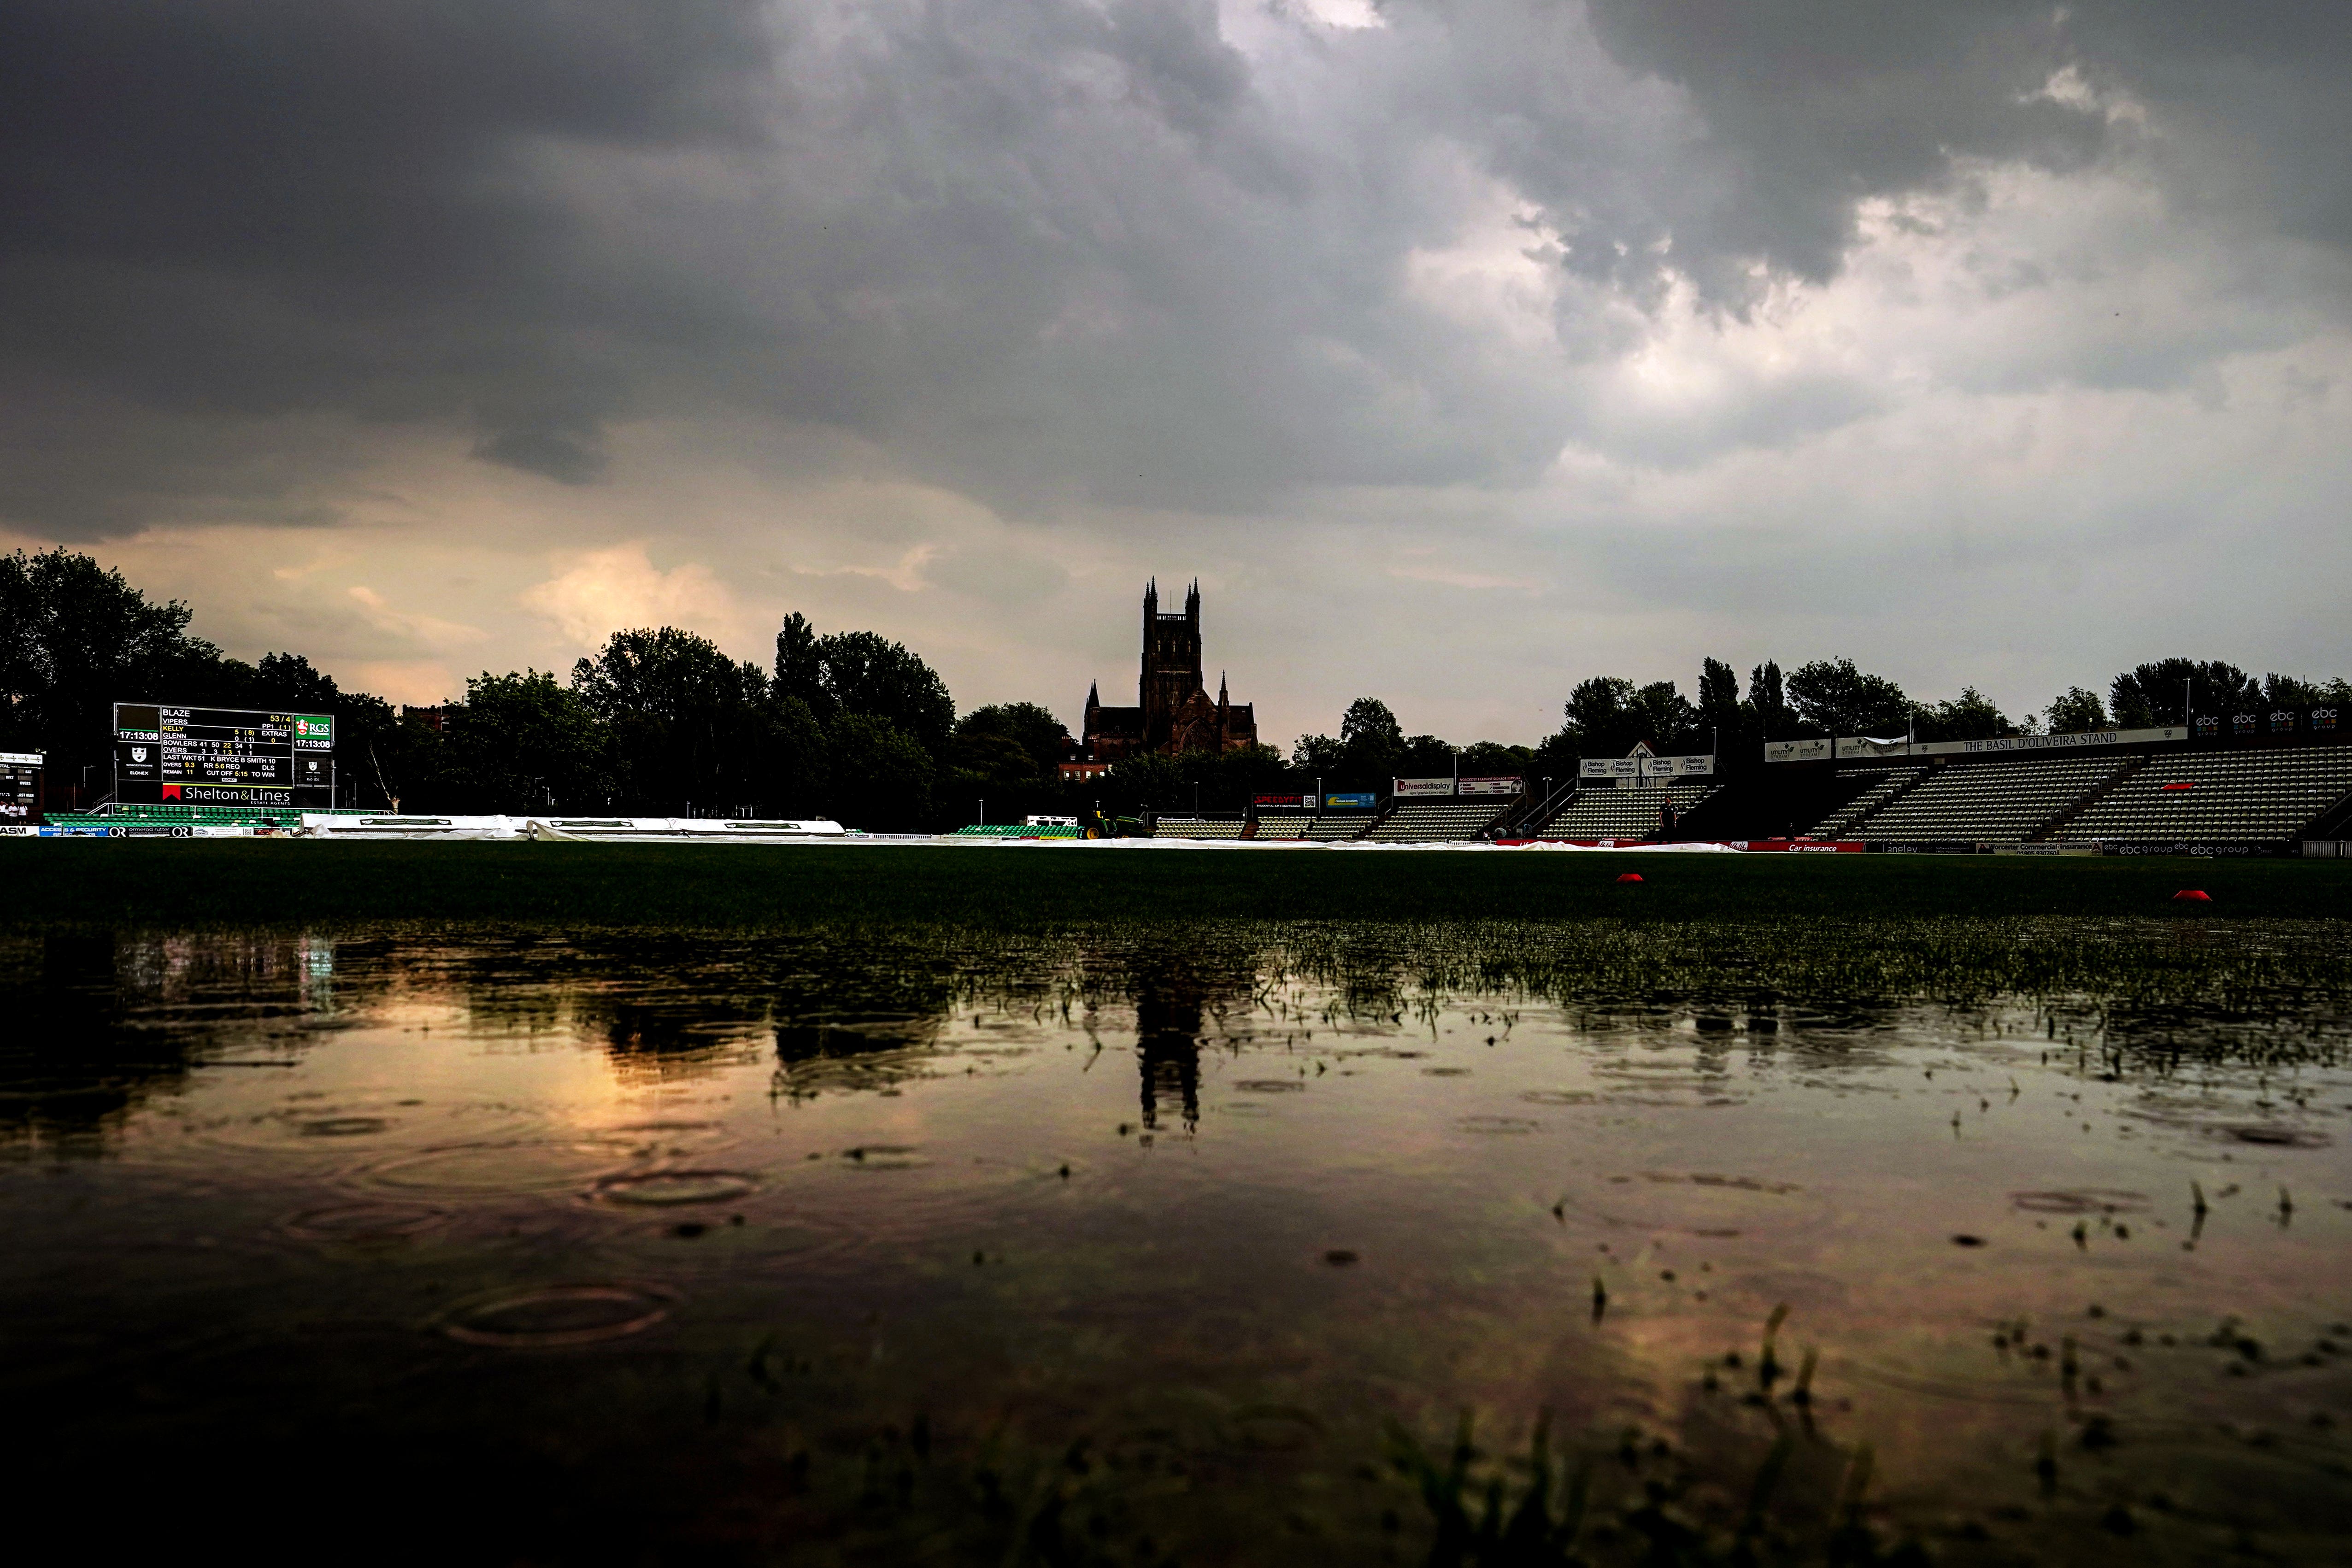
{"points": [[20, 787], [165, 754]]}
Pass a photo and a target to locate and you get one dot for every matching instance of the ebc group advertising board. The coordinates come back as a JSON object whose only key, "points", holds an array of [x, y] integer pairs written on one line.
{"points": [[165, 754]]}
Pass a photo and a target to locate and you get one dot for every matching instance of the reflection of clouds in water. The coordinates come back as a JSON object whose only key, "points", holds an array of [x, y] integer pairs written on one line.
{"points": [[755, 1180], [106, 1022], [1700, 1204]]}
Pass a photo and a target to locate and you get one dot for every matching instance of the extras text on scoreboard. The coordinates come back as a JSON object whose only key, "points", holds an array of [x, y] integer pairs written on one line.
{"points": [[168, 754]]}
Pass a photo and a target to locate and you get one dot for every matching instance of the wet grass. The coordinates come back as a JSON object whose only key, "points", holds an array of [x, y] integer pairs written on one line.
{"points": [[56, 884]]}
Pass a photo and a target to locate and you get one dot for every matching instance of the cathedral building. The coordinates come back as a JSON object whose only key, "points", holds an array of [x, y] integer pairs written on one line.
{"points": [[1176, 712]]}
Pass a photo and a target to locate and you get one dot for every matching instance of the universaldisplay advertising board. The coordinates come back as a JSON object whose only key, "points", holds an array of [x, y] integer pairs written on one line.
{"points": [[1513, 785], [1412, 788], [166, 754], [20, 786]]}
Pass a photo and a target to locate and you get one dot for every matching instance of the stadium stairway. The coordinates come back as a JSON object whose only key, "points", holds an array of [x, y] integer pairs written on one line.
{"points": [[2091, 797], [1622, 814], [1898, 782], [1530, 810]]}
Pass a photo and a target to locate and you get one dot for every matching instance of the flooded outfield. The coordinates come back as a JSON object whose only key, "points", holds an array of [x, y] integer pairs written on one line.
{"points": [[1984, 1241]]}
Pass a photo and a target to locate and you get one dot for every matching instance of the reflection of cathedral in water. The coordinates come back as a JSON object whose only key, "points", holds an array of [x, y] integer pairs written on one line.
{"points": [[1168, 1050]]}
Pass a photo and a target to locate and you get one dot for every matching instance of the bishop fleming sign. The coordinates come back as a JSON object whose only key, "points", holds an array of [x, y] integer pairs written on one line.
{"points": [[1642, 769]]}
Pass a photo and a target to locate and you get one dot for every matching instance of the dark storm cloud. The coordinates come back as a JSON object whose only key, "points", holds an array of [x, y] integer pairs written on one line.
{"points": [[1811, 105], [1042, 251], [250, 208]]}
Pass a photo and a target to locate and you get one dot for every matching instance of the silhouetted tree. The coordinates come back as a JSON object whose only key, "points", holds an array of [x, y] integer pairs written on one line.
{"points": [[1029, 730], [75, 638], [522, 743], [2153, 693], [684, 722], [882, 776], [2074, 712], [1768, 705], [1968, 716], [1839, 699]]}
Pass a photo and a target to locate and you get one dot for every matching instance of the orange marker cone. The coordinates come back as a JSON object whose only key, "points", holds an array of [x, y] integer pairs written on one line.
{"points": [[1629, 877], [2192, 895]]}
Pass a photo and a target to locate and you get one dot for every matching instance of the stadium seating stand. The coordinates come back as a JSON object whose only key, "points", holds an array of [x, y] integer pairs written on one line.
{"points": [[1015, 831], [1197, 828], [1435, 822], [2232, 797], [1614, 814], [2006, 802]]}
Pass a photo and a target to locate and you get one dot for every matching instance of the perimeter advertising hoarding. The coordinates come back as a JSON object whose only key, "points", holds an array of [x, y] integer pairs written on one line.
{"points": [[20, 786], [166, 754], [1284, 802], [1856, 747], [1639, 768], [1363, 802], [1511, 786], [1408, 789]]}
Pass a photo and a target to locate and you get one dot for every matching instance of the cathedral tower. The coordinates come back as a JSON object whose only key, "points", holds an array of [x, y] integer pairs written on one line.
{"points": [[1173, 713]]}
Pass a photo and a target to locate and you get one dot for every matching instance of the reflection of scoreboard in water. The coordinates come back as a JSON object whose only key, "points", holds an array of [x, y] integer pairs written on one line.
{"points": [[20, 786], [165, 754]]}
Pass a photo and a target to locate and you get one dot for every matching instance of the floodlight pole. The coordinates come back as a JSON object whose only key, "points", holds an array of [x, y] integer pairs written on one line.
{"points": [[983, 811]]}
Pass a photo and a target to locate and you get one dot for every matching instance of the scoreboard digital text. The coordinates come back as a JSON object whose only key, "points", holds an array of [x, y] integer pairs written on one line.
{"points": [[165, 754], [20, 787]]}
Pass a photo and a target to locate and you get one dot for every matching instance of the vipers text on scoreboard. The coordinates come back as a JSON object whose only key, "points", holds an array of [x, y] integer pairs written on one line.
{"points": [[168, 755]]}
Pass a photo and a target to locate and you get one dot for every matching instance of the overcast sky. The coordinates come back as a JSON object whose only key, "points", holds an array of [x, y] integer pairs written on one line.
{"points": [[1461, 349]]}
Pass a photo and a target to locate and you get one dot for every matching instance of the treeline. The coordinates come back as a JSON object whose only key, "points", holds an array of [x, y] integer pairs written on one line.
{"points": [[658, 722], [856, 727], [1608, 716]]}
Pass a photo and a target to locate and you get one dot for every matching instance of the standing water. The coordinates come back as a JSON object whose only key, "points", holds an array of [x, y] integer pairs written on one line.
{"points": [[1208, 1244]]}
